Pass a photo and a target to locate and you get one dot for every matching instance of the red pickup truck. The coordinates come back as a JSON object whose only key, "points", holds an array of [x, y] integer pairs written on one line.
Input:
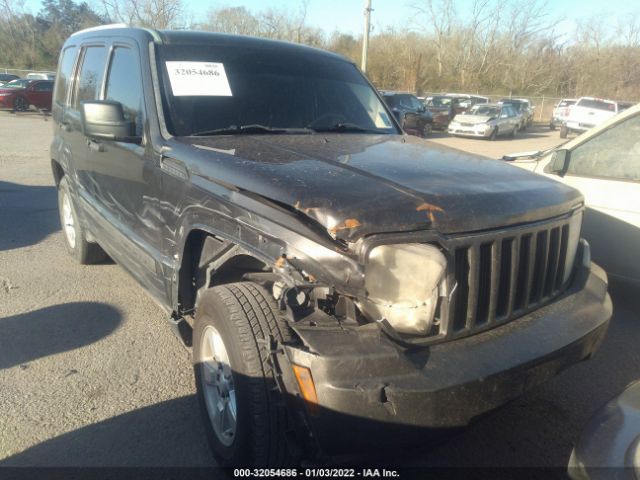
{"points": [[18, 95]]}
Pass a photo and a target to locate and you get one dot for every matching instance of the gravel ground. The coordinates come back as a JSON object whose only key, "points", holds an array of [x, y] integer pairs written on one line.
{"points": [[91, 374]]}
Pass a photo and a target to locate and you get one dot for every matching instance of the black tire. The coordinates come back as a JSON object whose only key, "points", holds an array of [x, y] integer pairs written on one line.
{"points": [[494, 134], [20, 104], [564, 131], [243, 314], [427, 130], [83, 252], [552, 127]]}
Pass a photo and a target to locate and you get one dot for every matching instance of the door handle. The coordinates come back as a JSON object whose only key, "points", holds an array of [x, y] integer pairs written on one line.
{"points": [[95, 146]]}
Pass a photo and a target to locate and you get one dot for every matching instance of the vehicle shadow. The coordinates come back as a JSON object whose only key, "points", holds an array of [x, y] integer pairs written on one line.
{"points": [[59, 328], [167, 434], [28, 214]]}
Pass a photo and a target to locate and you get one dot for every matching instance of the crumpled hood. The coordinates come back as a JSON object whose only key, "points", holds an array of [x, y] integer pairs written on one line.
{"points": [[475, 119], [355, 184]]}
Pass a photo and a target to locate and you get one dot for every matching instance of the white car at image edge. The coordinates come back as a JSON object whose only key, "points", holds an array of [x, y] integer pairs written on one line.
{"points": [[604, 164]]}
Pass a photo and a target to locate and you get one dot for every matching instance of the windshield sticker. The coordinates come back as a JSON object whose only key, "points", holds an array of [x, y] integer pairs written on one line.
{"points": [[198, 79]]}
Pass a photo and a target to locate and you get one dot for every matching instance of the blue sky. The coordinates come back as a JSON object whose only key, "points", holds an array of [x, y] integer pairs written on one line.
{"points": [[347, 15]]}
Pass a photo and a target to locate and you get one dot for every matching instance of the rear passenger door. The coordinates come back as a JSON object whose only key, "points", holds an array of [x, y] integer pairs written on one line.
{"points": [[40, 96], [87, 86]]}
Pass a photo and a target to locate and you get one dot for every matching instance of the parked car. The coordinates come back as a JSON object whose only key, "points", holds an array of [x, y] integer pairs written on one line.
{"points": [[523, 107], [414, 118], [41, 76], [604, 164], [345, 286], [18, 95], [443, 109], [586, 113], [466, 100], [609, 446], [7, 77], [487, 120], [560, 112]]}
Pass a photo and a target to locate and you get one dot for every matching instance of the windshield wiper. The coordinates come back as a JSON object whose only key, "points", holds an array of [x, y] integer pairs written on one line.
{"points": [[249, 129], [347, 128]]}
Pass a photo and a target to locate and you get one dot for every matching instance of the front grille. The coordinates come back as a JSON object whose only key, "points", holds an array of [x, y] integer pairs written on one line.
{"points": [[500, 276]]}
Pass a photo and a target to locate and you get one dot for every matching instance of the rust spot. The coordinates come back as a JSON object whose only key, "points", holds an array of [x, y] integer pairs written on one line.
{"points": [[347, 224], [429, 208], [281, 262]]}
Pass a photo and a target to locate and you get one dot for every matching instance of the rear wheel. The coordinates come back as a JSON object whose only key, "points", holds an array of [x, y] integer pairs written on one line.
{"points": [[75, 241], [245, 421], [563, 131], [20, 104]]}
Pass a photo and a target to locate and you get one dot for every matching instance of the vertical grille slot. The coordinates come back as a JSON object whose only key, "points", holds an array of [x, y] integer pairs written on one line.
{"points": [[539, 267], [563, 255], [462, 290], [484, 284], [554, 256], [522, 283], [506, 265]]}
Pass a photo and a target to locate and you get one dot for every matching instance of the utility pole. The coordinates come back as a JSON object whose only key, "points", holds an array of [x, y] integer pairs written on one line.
{"points": [[367, 30]]}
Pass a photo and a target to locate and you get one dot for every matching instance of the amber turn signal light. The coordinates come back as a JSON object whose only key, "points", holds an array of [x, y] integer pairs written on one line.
{"points": [[307, 388]]}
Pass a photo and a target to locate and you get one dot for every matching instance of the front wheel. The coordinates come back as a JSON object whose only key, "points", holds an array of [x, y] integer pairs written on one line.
{"points": [[427, 130], [494, 134], [75, 241], [245, 419], [20, 104]]}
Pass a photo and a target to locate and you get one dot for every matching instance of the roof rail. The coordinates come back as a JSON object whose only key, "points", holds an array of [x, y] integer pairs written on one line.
{"points": [[101, 27]]}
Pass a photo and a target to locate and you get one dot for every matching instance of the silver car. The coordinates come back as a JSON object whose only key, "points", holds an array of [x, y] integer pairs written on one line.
{"points": [[487, 120]]}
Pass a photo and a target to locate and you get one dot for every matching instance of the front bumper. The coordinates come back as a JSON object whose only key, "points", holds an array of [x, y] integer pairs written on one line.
{"points": [[469, 132], [372, 392]]}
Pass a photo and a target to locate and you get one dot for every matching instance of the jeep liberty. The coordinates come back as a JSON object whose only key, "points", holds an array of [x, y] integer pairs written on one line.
{"points": [[342, 284]]}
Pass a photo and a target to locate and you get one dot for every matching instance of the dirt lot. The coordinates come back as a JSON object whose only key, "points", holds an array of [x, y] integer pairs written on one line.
{"points": [[92, 375]]}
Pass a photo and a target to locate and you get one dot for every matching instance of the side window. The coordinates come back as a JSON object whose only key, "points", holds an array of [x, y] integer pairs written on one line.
{"points": [[90, 76], [124, 84], [615, 153], [64, 75], [43, 87]]}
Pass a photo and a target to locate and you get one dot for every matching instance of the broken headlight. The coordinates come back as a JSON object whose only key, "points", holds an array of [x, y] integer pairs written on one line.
{"points": [[402, 283]]}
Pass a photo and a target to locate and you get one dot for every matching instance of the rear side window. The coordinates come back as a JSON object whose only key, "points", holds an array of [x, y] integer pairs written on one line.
{"points": [[64, 75], [124, 84], [43, 87], [597, 104], [90, 76]]}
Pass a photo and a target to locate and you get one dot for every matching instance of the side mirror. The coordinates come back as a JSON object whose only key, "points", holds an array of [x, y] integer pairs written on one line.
{"points": [[104, 120], [559, 163]]}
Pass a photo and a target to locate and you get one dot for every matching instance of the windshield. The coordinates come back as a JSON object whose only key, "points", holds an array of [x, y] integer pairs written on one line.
{"points": [[485, 111], [439, 102], [213, 90], [21, 83]]}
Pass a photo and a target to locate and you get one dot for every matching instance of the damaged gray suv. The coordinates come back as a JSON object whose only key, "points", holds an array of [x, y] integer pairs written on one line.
{"points": [[343, 286]]}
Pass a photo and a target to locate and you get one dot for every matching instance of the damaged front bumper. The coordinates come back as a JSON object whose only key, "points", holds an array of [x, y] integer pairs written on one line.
{"points": [[369, 387]]}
